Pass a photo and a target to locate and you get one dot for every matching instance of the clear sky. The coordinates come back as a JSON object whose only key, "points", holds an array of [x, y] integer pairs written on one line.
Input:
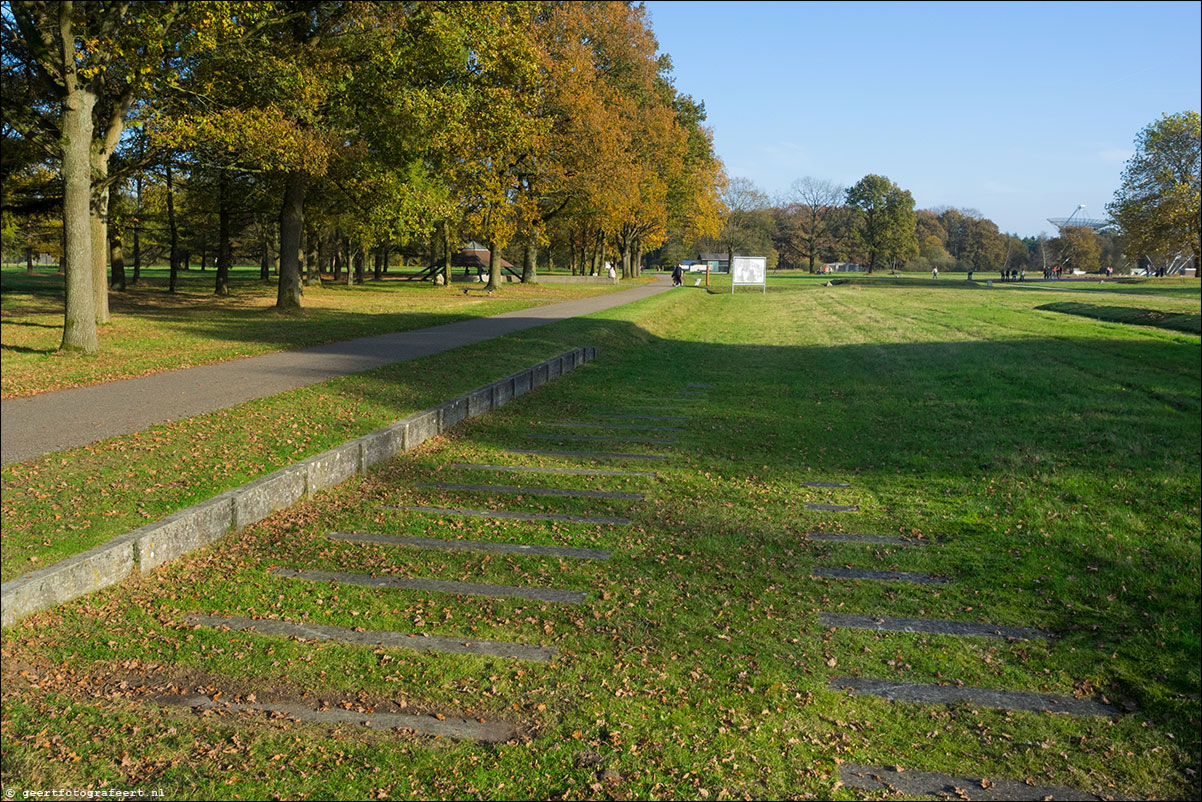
{"points": [[1019, 110]]}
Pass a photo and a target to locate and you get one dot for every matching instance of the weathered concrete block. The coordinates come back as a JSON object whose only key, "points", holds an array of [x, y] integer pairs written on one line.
{"points": [[570, 360], [538, 375], [592, 352], [332, 467], [185, 531], [67, 579], [422, 426], [479, 401], [502, 392], [382, 444], [255, 501], [555, 367], [453, 412], [522, 382]]}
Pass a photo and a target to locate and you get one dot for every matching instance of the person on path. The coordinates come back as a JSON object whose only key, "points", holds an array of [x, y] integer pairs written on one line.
{"points": [[934, 272], [677, 276], [970, 274]]}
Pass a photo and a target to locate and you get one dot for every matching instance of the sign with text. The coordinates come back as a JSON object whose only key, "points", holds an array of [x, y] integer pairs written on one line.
{"points": [[749, 271]]}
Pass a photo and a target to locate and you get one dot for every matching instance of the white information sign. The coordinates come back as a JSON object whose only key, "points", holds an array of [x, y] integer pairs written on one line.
{"points": [[749, 270]]}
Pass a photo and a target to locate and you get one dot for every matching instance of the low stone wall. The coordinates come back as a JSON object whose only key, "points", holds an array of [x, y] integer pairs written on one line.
{"points": [[189, 529]]}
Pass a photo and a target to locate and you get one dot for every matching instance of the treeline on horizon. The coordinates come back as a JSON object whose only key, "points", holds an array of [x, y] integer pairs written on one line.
{"points": [[874, 224]]}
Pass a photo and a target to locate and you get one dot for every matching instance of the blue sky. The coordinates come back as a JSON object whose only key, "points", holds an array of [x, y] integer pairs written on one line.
{"points": [[1019, 110]]}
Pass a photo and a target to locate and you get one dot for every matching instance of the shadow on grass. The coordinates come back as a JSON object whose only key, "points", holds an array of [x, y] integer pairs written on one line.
{"points": [[1090, 447], [1176, 321]]}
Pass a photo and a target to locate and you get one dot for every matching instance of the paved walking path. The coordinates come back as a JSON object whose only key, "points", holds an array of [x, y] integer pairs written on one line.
{"points": [[40, 424]]}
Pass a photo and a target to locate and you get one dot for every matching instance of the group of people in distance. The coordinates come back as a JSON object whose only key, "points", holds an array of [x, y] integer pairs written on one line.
{"points": [[1014, 275]]}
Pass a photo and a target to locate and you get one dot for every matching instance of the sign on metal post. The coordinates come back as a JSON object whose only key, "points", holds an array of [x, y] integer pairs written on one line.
{"points": [[749, 271]]}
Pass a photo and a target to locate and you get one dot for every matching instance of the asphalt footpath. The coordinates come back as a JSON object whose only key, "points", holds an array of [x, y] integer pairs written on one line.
{"points": [[56, 421]]}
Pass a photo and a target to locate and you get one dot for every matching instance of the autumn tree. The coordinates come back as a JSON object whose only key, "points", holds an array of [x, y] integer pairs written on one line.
{"points": [[1077, 248], [887, 221], [1157, 207], [85, 66]]}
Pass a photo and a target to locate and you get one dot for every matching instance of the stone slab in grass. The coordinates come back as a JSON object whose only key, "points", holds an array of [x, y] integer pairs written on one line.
{"points": [[594, 438], [471, 545], [641, 417], [825, 484], [535, 491], [912, 784], [930, 626], [840, 537], [824, 572], [420, 642], [833, 507], [582, 454], [519, 516], [447, 727], [537, 469], [623, 426], [439, 585], [985, 697]]}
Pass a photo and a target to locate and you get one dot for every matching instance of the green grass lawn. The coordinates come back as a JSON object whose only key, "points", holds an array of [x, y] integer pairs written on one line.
{"points": [[153, 331], [1050, 462]]}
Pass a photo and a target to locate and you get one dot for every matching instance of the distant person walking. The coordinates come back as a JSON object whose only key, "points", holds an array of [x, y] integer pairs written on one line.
{"points": [[970, 274], [677, 276], [934, 272]]}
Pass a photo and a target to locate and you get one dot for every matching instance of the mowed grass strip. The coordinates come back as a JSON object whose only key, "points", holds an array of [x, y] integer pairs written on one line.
{"points": [[153, 330], [1049, 464]]}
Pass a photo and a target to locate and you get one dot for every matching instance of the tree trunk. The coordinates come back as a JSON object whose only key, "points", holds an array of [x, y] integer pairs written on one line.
{"points": [[446, 253], [100, 251], [118, 259], [79, 322], [222, 286], [530, 264], [292, 218], [28, 261], [174, 231], [204, 256], [138, 231], [626, 247], [638, 258], [494, 265], [377, 268], [264, 254], [386, 252], [360, 259]]}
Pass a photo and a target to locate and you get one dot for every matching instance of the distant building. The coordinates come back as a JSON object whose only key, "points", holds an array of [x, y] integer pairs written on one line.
{"points": [[718, 262], [844, 267]]}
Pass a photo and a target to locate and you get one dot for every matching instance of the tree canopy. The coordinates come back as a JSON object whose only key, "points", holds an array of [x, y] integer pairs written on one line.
{"points": [[1157, 206]]}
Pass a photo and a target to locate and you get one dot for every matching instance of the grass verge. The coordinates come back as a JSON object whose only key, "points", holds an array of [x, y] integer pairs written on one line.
{"points": [[153, 331]]}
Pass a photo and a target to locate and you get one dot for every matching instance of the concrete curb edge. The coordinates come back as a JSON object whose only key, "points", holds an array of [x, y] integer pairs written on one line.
{"points": [[194, 527]]}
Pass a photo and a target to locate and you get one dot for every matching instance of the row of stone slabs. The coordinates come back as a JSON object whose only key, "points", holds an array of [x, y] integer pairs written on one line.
{"points": [[911, 783], [444, 726]]}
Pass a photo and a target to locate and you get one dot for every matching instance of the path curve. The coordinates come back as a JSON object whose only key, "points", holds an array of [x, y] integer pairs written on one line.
{"points": [[56, 421]]}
